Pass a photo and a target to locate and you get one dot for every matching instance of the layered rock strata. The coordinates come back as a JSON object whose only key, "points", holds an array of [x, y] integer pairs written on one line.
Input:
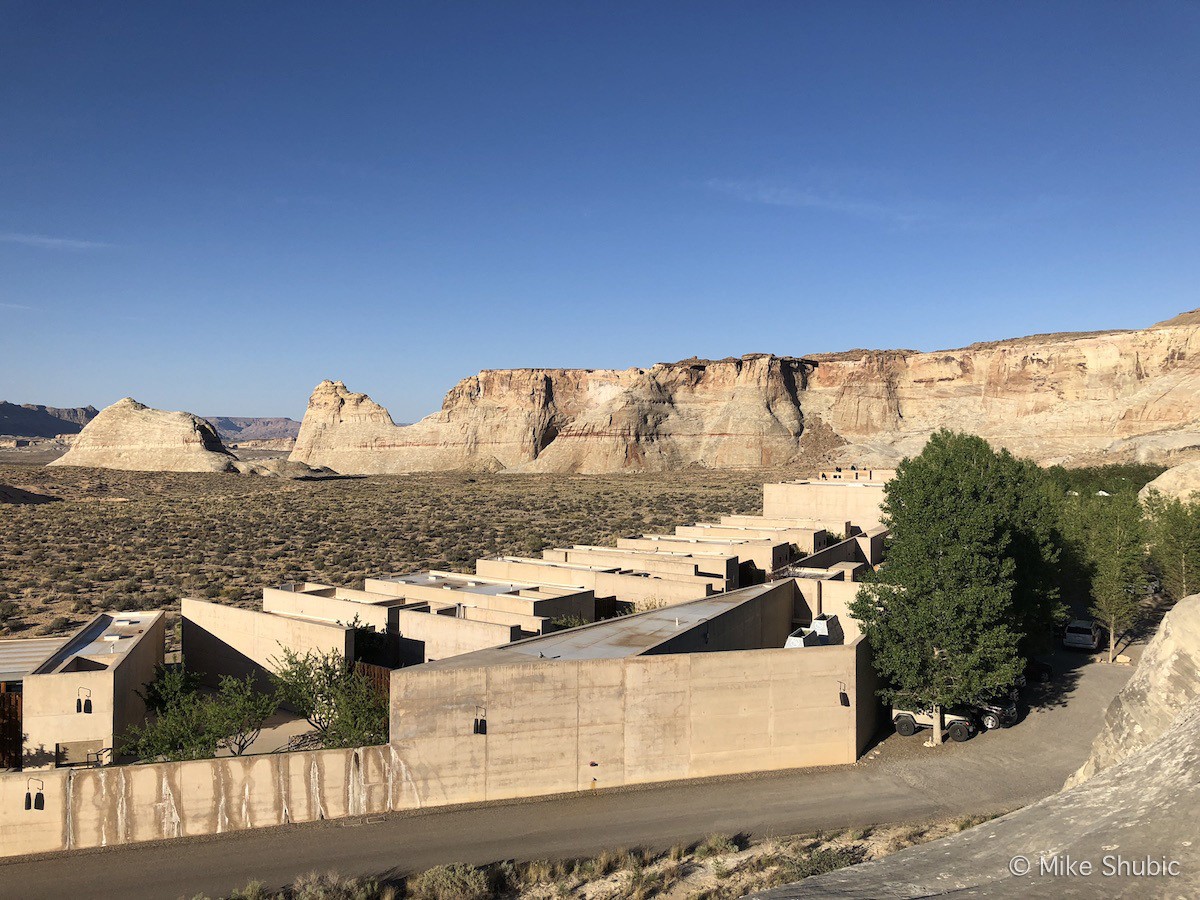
{"points": [[1071, 398]]}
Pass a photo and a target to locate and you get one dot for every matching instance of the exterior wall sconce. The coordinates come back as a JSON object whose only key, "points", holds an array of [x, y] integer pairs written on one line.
{"points": [[83, 701], [35, 798], [480, 726], [843, 697]]}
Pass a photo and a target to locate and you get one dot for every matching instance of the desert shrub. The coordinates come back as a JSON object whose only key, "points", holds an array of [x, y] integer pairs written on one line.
{"points": [[716, 845], [455, 882]]}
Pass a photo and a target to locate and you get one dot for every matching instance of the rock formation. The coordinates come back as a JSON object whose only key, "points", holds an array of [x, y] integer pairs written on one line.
{"points": [[1096, 397], [129, 435], [1137, 797], [34, 420], [729, 413], [1179, 481]]}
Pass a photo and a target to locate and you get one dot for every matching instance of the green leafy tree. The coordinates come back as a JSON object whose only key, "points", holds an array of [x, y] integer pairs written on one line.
{"points": [[1174, 537], [238, 713], [343, 708], [1107, 537], [186, 723], [969, 586], [181, 729]]}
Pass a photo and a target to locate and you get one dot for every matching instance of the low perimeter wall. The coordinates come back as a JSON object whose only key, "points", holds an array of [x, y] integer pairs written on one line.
{"points": [[551, 727]]}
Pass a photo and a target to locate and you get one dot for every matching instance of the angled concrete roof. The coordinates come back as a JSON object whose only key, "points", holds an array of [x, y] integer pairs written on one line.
{"points": [[623, 636]]}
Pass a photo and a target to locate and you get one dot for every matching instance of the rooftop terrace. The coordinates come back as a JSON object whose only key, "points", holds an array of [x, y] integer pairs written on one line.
{"points": [[102, 642]]}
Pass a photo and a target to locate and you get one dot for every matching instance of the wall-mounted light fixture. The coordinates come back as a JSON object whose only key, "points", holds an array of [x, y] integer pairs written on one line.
{"points": [[480, 726], [843, 697], [35, 797], [83, 700]]}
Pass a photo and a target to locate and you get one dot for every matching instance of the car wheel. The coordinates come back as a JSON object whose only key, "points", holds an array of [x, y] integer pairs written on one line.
{"points": [[959, 732], [905, 726], [991, 721]]}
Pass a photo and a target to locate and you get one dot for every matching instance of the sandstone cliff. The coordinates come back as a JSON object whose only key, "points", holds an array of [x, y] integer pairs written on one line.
{"points": [[1164, 688], [129, 435], [1095, 397], [736, 412], [35, 420]]}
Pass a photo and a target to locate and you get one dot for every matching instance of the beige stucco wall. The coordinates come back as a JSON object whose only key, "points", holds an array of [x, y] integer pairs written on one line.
{"points": [[225, 640], [829, 502]]}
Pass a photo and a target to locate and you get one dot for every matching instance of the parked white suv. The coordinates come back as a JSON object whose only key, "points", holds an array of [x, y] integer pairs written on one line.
{"points": [[1083, 634]]}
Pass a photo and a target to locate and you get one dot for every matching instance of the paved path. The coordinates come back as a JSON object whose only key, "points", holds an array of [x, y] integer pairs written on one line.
{"points": [[898, 781]]}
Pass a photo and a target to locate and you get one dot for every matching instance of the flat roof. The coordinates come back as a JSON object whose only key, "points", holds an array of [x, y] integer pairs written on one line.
{"points": [[611, 638], [108, 635], [453, 581], [20, 656]]}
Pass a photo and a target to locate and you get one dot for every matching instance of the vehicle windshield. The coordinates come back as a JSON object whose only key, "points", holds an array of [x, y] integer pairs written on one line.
{"points": [[1079, 629]]}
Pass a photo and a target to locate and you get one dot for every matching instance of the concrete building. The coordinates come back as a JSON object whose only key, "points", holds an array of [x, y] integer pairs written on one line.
{"points": [[698, 689], [415, 619], [69, 701], [827, 501]]}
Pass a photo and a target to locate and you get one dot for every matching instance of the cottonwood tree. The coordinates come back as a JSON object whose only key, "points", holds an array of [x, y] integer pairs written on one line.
{"points": [[1174, 537], [969, 584]]}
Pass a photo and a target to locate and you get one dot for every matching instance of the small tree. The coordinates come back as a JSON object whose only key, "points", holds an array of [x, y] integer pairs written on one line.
{"points": [[342, 707], [188, 724], [238, 713]]}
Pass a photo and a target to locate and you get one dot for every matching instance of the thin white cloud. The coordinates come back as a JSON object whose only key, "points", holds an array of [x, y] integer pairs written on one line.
{"points": [[773, 194], [46, 242], [20, 306]]}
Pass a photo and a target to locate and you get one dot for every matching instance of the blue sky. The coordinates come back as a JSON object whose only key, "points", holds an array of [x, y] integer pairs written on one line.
{"points": [[214, 206]]}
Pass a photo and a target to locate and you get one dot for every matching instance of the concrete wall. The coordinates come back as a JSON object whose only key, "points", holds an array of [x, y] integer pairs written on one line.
{"points": [[225, 640], [326, 609], [625, 588], [123, 804], [830, 502], [803, 539], [446, 635], [766, 555], [654, 560], [49, 718], [606, 723], [581, 603], [552, 726]]}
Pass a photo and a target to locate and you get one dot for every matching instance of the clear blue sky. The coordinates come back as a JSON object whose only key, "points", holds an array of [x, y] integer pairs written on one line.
{"points": [[213, 206]]}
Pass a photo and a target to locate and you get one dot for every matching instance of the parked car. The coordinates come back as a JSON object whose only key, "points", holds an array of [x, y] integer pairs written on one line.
{"points": [[1036, 670], [960, 724], [1083, 634], [997, 712]]}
